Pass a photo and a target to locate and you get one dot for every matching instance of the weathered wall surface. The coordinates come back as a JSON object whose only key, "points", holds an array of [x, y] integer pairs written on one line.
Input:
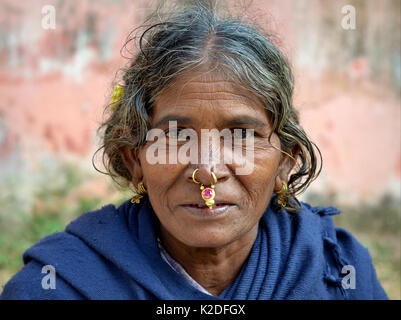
{"points": [[54, 84]]}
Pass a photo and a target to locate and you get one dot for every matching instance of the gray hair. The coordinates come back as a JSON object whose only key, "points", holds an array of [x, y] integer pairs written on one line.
{"points": [[195, 36]]}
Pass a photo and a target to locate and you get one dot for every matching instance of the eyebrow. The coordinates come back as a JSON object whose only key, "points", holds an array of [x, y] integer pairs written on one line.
{"points": [[166, 119], [243, 120]]}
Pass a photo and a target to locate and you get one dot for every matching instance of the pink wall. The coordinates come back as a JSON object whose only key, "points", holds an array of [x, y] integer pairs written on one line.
{"points": [[54, 83]]}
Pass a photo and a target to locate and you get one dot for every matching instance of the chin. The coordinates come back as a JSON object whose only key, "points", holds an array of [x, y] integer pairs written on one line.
{"points": [[208, 241]]}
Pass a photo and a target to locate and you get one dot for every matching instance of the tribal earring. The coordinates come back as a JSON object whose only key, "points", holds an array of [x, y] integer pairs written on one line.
{"points": [[282, 194], [207, 194], [141, 190]]}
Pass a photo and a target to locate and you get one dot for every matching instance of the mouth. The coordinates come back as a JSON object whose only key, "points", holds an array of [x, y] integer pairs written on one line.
{"points": [[200, 208]]}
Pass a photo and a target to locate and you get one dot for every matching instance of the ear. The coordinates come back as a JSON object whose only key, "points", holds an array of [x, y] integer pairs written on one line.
{"points": [[286, 165], [132, 163]]}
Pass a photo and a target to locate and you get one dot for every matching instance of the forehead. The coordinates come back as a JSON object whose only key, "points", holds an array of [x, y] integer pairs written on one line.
{"points": [[193, 94]]}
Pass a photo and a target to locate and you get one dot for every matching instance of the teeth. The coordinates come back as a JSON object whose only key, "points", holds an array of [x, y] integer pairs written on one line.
{"points": [[204, 206]]}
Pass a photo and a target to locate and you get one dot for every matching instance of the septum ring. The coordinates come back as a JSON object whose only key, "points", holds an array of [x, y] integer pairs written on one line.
{"points": [[197, 182], [207, 194]]}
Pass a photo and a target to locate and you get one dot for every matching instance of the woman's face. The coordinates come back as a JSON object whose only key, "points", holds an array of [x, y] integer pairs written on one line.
{"points": [[208, 101]]}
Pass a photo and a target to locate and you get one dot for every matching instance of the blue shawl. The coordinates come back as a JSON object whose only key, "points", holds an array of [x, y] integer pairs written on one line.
{"points": [[112, 253]]}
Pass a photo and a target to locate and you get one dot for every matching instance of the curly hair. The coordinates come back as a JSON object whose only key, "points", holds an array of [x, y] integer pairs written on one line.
{"points": [[184, 39]]}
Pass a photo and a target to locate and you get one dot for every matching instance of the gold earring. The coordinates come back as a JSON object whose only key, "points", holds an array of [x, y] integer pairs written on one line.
{"points": [[282, 194], [141, 190]]}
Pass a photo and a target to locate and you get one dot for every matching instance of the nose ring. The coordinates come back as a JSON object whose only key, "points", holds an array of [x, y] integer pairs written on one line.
{"points": [[207, 194]]}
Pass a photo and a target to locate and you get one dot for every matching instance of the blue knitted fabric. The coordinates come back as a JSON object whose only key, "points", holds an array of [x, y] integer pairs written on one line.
{"points": [[112, 253]]}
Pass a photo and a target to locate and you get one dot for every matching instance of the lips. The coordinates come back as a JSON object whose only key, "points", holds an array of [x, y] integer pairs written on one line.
{"points": [[201, 204], [199, 208]]}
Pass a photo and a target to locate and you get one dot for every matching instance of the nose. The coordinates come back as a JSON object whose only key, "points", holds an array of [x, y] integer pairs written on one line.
{"points": [[204, 175], [210, 155]]}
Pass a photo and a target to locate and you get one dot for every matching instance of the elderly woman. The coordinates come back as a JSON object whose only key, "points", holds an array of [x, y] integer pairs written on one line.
{"points": [[198, 226]]}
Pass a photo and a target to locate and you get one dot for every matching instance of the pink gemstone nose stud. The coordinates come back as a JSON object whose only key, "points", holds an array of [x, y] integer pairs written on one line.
{"points": [[207, 194]]}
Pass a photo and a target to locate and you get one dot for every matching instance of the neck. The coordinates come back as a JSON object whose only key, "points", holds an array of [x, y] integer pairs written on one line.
{"points": [[213, 268]]}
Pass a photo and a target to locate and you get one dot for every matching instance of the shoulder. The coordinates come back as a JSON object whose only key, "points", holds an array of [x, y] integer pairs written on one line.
{"points": [[69, 244], [37, 281], [349, 265], [357, 265], [93, 219], [71, 259], [36, 278]]}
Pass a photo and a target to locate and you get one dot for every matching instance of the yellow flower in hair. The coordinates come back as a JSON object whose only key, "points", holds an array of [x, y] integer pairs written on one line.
{"points": [[118, 93]]}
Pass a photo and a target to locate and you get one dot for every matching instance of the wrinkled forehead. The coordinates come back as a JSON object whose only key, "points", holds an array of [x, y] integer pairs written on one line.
{"points": [[204, 88], [208, 82]]}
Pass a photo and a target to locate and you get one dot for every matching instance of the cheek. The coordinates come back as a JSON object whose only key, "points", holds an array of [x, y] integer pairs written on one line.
{"points": [[260, 182], [160, 185], [158, 177]]}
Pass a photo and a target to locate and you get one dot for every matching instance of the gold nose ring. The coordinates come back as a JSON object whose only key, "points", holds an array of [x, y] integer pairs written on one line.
{"points": [[207, 194]]}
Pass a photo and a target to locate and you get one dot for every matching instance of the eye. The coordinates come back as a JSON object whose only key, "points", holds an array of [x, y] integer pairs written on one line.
{"points": [[241, 133], [171, 135]]}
